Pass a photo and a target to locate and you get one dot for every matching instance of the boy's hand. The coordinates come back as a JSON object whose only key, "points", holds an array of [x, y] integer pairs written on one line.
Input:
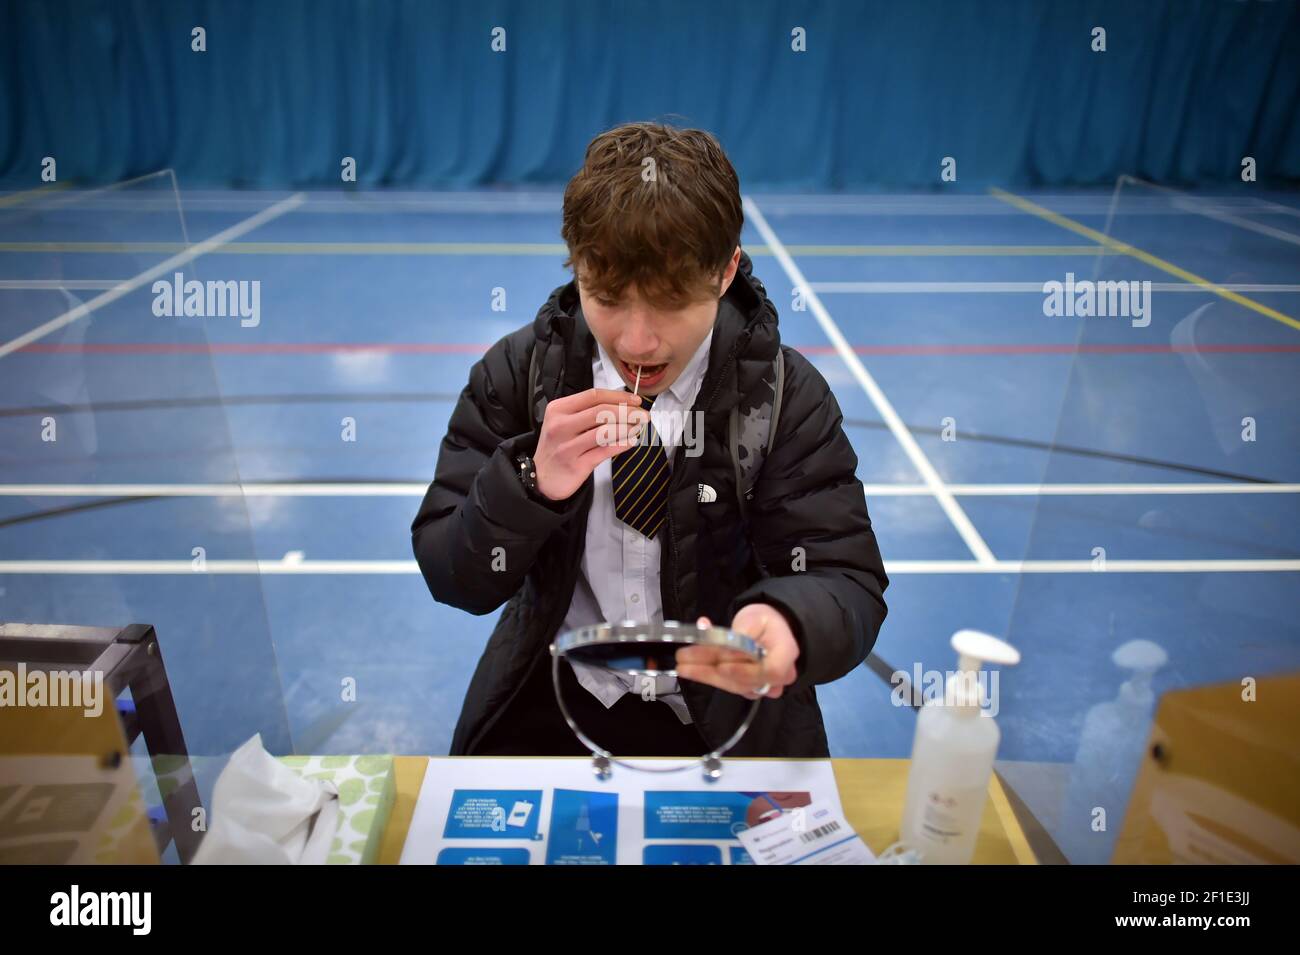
{"points": [[578, 432], [737, 672]]}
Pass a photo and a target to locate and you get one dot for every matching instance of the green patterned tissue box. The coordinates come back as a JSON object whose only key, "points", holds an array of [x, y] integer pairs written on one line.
{"points": [[366, 792]]}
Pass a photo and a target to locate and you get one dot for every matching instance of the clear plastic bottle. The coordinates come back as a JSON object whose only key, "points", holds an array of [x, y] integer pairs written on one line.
{"points": [[1111, 744], [952, 758]]}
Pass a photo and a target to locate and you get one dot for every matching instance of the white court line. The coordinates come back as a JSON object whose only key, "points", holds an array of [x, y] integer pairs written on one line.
{"points": [[926, 204], [130, 285], [415, 489], [72, 197], [1185, 203], [1262, 205], [1239, 222], [1113, 566], [1070, 490], [55, 284], [894, 288], [388, 489], [919, 204], [298, 566], [904, 437], [325, 203]]}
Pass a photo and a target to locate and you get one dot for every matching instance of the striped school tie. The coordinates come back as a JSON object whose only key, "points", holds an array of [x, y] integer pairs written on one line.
{"points": [[640, 478]]}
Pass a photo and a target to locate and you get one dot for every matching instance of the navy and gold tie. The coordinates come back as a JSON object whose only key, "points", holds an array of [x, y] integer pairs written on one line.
{"points": [[640, 478]]}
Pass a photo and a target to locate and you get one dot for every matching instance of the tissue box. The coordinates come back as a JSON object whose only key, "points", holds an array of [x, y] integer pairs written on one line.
{"points": [[367, 789]]}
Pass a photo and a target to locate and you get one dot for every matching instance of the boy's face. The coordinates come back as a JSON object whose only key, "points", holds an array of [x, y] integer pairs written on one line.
{"points": [[633, 332]]}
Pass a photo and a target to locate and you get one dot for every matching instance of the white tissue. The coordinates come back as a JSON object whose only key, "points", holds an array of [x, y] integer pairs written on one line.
{"points": [[263, 813]]}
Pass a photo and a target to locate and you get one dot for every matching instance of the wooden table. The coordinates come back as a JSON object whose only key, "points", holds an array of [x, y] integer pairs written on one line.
{"points": [[871, 791]]}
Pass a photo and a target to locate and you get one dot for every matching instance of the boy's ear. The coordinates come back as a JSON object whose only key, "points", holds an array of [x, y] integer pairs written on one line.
{"points": [[729, 275]]}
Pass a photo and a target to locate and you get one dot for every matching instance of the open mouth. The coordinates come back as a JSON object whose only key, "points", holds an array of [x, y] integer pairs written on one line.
{"points": [[650, 374]]}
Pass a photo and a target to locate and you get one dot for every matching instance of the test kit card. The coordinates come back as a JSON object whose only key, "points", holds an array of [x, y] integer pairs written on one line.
{"points": [[817, 834]]}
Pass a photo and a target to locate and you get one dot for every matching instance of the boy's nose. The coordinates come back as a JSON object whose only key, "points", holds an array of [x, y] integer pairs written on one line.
{"points": [[638, 341]]}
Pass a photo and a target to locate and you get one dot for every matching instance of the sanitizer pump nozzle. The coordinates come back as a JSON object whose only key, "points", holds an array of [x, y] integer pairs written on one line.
{"points": [[974, 649], [1143, 658]]}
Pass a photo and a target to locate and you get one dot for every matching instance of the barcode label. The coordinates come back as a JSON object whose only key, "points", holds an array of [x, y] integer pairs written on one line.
{"points": [[820, 832]]}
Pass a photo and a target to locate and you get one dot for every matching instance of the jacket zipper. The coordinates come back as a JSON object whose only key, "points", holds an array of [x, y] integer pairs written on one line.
{"points": [[672, 527]]}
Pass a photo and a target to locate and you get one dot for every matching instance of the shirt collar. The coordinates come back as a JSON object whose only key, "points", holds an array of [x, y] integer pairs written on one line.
{"points": [[683, 389]]}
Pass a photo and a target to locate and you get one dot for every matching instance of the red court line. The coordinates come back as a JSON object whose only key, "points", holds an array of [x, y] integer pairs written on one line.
{"points": [[1056, 349], [470, 348], [257, 348]]}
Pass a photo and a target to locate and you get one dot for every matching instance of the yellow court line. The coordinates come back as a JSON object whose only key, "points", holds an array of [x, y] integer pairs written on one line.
{"points": [[302, 248], [1010, 824], [935, 249], [525, 248], [1154, 261], [21, 197]]}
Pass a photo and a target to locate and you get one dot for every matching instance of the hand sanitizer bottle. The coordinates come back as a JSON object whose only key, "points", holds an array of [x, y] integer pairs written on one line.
{"points": [[952, 757], [1111, 746]]}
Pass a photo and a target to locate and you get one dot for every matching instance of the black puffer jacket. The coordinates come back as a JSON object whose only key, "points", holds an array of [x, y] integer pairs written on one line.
{"points": [[807, 496]]}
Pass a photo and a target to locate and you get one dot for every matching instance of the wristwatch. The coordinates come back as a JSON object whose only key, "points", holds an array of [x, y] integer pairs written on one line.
{"points": [[527, 472]]}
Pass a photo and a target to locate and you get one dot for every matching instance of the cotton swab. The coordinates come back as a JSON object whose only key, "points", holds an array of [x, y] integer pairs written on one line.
{"points": [[638, 383]]}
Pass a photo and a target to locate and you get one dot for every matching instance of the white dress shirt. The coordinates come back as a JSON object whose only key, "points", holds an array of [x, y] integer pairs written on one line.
{"points": [[619, 578]]}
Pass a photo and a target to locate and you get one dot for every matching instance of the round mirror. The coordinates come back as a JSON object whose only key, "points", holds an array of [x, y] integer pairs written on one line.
{"points": [[645, 652]]}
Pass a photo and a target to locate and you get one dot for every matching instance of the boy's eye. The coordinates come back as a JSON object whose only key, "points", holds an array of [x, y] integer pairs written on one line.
{"points": [[605, 302]]}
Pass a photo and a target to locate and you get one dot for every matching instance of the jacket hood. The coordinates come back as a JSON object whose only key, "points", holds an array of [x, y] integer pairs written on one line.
{"points": [[745, 342]]}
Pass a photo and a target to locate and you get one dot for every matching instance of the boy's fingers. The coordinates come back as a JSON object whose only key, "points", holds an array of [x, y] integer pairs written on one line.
{"points": [[747, 674], [588, 460], [711, 656], [705, 674], [602, 435], [594, 396], [711, 676], [595, 417], [743, 679], [697, 656]]}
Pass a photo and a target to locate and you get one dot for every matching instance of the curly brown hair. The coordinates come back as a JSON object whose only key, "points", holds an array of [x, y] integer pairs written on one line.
{"points": [[656, 207]]}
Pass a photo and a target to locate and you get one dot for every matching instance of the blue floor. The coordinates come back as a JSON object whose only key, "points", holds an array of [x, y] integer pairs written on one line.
{"points": [[384, 338]]}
